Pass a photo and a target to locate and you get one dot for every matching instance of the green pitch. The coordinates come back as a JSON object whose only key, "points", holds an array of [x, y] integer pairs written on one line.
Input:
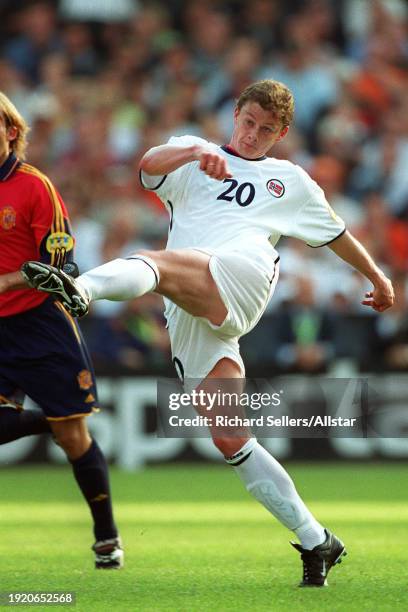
{"points": [[196, 541]]}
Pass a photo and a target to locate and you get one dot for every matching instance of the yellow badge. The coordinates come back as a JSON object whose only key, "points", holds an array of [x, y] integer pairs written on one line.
{"points": [[59, 240], [7, 217], [85, 379]]}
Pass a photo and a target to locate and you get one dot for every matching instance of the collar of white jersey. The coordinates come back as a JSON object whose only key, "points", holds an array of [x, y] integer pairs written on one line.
{"points": [[231, 151]]}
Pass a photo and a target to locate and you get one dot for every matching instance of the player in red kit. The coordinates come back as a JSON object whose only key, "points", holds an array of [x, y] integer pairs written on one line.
{"points": [[42, 352]]}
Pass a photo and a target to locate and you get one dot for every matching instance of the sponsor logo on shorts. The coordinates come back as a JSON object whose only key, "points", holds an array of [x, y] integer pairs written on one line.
{"points": [[85, 381], [59, 240], [7, 217], [275, 188]]}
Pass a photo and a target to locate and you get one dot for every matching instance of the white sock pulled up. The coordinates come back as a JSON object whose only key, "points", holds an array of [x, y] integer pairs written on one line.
{"points": [[120, 279], [272, 486]]}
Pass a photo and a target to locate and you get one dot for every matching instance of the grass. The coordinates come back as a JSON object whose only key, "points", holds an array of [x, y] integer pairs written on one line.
{"points": [[195, 541]]}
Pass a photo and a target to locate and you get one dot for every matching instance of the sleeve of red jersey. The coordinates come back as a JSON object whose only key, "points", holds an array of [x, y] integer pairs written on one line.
{"points": [[50, 223]]}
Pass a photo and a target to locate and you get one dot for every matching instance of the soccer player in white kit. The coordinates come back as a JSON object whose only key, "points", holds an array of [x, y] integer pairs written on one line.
{"points": [[228, 207]]}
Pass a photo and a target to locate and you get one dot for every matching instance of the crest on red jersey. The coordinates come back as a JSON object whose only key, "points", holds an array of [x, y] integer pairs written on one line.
{"points": [[275, 188], [7, 217]]}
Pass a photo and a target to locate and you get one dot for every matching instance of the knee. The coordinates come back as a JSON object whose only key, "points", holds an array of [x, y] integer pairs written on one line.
{"points": [[229, 446], [73, 440], [68, 440]]}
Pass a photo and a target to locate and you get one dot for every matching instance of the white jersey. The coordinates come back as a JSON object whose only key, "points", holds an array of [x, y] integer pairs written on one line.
{"points": [[265, 199]]}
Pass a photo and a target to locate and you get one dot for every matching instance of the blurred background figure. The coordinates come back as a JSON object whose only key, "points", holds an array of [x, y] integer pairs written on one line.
{"points": [[305, 331], [392, 332]]}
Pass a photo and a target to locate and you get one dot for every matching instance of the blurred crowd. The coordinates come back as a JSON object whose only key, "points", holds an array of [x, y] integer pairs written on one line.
{"points": [[101, 81]]}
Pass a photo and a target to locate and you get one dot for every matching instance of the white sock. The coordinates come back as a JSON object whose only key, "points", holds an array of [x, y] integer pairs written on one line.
{"points": [[120, 279], [272, 486]]}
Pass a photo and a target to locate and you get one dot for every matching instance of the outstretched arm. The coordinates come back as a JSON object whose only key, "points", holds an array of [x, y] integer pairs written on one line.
{"points": [[353, 252], [167, 158]]}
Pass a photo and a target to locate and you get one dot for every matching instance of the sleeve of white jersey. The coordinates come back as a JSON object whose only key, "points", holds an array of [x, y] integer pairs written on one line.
{"points": [[171, 186], [316, 223]]}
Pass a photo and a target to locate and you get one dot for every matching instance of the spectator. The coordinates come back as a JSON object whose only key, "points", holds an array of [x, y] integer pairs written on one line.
{"points": [[385, 236], [392, 331], [37, 37], [314, 85], [331, 174], [305, 332]]}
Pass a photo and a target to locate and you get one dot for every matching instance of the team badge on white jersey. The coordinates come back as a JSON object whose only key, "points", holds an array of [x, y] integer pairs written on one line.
{"points": [[275, 188]]}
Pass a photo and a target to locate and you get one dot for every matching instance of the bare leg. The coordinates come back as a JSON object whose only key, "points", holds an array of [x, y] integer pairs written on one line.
{"points": [[183, 276], [72, 435], [186, 280]]}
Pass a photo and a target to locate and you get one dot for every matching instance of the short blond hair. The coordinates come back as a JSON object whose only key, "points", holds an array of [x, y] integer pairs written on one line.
{"points": [[271, 96], [13, 118]]}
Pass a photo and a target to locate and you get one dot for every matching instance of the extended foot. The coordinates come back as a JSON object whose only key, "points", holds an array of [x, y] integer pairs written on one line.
{"points": [[46, 278], [108, 554], [318, 562]]}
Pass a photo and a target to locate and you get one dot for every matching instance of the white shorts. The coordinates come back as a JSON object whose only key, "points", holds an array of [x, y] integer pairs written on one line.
{"points": [[246, 281]]}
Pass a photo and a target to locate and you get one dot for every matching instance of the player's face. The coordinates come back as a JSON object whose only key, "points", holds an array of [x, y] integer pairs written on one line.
{"points": [[7, 134], [255, 130]]}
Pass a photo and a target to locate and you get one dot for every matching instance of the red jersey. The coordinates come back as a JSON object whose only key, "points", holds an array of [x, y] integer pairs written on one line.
{"points": [[34, 224]]}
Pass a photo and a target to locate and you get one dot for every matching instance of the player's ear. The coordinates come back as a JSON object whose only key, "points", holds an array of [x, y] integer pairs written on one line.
{"points": [[283, 133], [12, 133], [236, 112]]}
